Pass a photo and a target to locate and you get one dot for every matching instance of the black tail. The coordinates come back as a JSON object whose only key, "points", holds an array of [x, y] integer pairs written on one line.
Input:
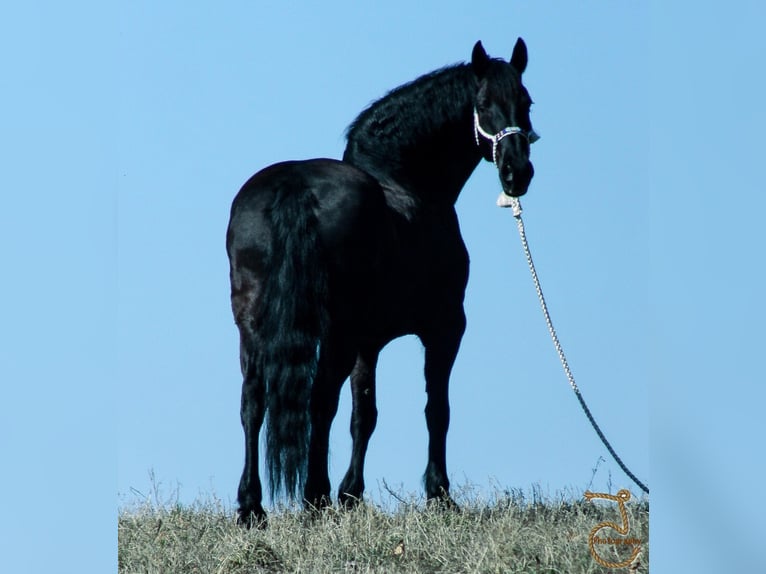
{"points": [[293, 319]]}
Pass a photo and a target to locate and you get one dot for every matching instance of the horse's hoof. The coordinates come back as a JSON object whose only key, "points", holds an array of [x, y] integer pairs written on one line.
{"points": [[316, 504], [443, 503], [349, 501], [252, 518]]}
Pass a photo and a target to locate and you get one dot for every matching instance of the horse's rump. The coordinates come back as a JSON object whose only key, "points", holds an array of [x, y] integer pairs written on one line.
{"points": [[303, 243]]}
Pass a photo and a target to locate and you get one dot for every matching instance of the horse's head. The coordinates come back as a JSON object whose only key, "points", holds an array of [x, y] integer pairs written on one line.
{"points": [[501, 116]]}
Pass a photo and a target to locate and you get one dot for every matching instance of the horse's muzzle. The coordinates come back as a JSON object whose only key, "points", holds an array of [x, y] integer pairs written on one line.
{"points": [[516, 182]]}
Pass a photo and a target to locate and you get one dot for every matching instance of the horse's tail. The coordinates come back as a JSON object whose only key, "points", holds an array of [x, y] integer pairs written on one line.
{"points": [[293, 319]]}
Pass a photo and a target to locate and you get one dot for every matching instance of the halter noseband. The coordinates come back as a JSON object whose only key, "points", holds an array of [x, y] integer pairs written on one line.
{"points": [[531, 135]]}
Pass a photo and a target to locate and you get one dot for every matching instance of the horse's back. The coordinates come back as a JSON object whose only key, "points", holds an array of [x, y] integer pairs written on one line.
{"points": [[343, 199]]}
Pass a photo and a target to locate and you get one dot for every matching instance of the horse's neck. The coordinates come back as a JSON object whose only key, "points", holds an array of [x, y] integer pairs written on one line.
{"points": [[431, 159], [434, 170]]}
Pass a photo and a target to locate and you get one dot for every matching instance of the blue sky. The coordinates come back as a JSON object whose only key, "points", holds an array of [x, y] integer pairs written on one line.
{"points": [[128, 128]]}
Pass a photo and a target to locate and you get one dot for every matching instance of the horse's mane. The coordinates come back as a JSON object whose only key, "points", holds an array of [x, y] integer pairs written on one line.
{"points": [[396, 120]]}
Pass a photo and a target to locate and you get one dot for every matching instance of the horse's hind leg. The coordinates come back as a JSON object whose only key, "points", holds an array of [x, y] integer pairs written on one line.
{"points": [[253, 408], [363, 419], [335, 363]]}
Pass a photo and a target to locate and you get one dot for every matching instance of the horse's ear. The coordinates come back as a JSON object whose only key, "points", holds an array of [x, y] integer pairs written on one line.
{"points": [[479, 59], [519, 57]]}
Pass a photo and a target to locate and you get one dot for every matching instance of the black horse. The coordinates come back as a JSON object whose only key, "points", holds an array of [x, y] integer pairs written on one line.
{"points": [[332, 260]]}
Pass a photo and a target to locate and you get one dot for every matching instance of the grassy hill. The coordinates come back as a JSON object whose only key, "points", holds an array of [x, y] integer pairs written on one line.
{"points": [[511, 532]]}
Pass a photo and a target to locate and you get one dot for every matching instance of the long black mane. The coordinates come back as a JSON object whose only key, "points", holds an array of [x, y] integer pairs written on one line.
{"points": [[401, 137], [395, 116]]}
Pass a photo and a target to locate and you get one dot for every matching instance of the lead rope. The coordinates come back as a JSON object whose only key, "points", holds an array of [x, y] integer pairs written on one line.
{"points": [[514, 203]]}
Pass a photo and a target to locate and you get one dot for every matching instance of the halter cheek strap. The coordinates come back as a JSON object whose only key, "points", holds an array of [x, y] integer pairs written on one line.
{"points": [[531, 135]]}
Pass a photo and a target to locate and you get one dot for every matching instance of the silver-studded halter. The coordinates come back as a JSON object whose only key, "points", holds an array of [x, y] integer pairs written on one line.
{"points": [[532, 136]]}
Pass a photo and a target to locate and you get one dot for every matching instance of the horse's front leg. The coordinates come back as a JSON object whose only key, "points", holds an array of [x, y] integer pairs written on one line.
{"points": [[441, 347]]}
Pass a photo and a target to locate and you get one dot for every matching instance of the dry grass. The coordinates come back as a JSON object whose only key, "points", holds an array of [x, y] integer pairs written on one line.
{"points": [[509, 533]]}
